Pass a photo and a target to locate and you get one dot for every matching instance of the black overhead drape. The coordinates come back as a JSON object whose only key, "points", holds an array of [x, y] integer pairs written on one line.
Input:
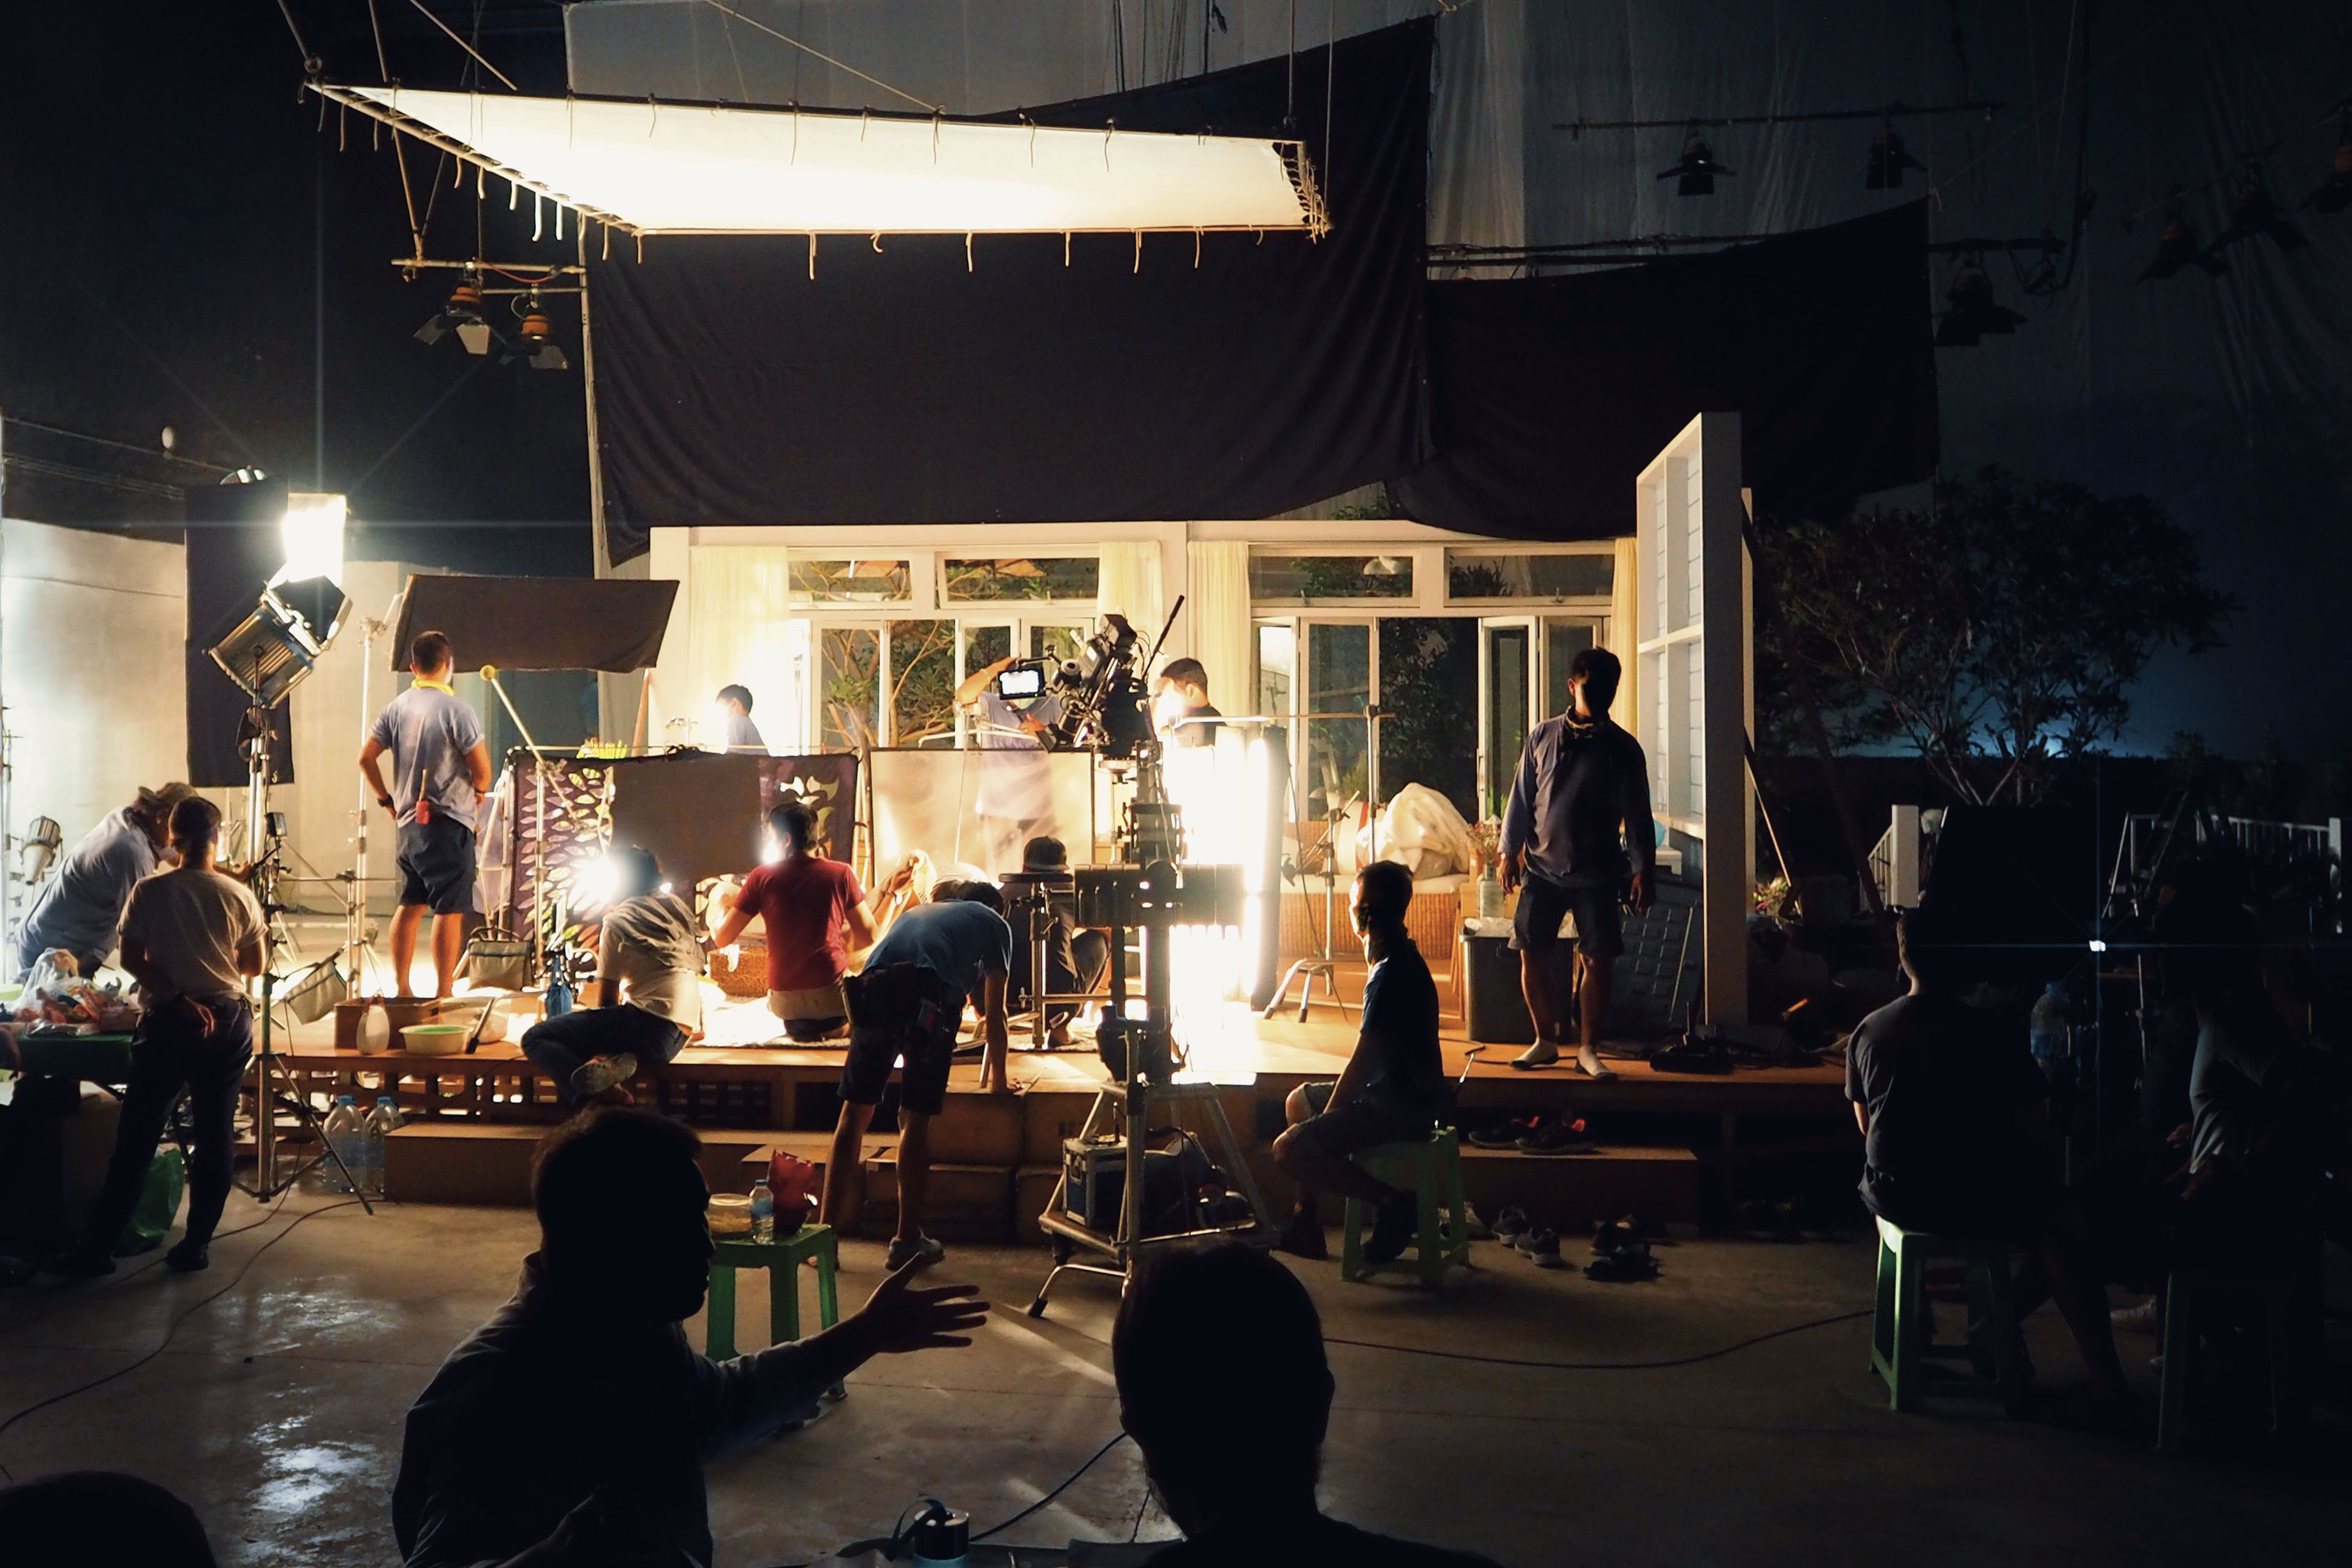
{"points": [[1549, 395], [901, 387]]}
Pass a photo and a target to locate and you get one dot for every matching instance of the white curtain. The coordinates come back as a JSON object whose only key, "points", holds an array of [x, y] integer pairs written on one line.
{"points": [[739, 631], [1129, 586], [1217, 613]]}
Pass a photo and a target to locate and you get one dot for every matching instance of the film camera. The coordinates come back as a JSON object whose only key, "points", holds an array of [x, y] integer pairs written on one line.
{"points": [[1104, 694]]}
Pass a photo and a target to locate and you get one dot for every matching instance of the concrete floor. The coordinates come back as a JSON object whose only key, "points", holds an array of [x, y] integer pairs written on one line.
{"points": [[277, 1410]]}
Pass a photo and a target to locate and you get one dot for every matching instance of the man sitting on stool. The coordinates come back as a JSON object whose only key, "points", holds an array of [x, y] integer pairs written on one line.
{"points": [[1393, 1088], [910, 1002], [647, 1002], [1224, 1383], [1581, 779], [1075, 960], [190, 938]]}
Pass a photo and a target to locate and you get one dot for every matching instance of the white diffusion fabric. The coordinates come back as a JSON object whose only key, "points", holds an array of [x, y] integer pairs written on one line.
{"points": [[655, 168], [929, 800], [1225, 823]]}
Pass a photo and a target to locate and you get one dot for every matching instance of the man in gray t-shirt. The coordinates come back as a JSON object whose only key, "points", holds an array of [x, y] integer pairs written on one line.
{"points": [[78, 909], [440, 770]]}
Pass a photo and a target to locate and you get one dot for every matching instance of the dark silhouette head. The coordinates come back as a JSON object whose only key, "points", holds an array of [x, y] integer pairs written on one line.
{"points": [[1045, 856], [976, 892], [1601, 675], [620, 1202], [1930, 942], [429, 654], [636, 872], [740, 696], [1383, 891], [1223, 1384], [98, 1519], [1189, 675], [196, 824], [793, 824]]}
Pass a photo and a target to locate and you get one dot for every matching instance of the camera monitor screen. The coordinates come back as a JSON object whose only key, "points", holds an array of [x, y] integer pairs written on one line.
{"points": [[1020, 681]]}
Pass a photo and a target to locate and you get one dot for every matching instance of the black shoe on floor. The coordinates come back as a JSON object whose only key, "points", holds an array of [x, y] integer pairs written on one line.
{"points": [[188, 1257], [1394, 1225], [1303, 1238]]}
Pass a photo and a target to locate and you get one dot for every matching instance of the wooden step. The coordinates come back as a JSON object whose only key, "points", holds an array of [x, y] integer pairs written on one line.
{"points": [[489, 1162], [1577, 1190]]}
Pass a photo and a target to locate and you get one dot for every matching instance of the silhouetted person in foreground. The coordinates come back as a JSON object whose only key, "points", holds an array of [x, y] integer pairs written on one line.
{"points": [[572, 1429], [1224, 1386], [98, 1519], [1956, 1122]]}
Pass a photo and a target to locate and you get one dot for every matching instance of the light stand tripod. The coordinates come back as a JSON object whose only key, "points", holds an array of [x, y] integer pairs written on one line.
{"points": [[273, 1080], [1155, 894], [1325, 964]]}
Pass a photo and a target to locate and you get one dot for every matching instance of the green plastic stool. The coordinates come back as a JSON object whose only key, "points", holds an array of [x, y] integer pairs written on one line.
{"points": [[2278, 1294], [781, 1259], [1901, 1327], [1432, 1168]]}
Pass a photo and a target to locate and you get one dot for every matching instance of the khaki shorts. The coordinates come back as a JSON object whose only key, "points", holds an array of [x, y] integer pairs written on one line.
{"points": [[811, 1015]]}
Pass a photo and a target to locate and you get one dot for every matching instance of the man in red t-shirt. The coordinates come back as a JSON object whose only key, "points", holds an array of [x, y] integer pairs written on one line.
{"points": [[809, 905]]}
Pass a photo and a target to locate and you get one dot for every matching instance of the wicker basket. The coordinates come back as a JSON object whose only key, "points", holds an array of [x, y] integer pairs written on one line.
{"points": [[748, 974]]}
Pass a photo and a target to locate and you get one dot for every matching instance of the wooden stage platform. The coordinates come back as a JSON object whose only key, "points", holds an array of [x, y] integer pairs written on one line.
{"points": [[1679, 1147]]}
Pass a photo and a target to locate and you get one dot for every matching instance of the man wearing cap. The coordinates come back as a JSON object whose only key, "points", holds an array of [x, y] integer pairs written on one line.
{"points": [[82, 907], [1075, 960], [440, 768]]}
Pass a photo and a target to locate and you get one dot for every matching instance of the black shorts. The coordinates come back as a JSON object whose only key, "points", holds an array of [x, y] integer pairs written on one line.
{"points": [[923, 1086], [1354, 1127], [1600, 930], [437, 864]]}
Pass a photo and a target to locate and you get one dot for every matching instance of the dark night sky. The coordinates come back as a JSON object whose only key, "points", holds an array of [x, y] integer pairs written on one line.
{"points": [[162, 192]]}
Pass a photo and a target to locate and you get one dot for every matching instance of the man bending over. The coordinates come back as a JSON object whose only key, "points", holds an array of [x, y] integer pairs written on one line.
{"points": [[570, 1430], [909, 1003], [1393, 1090], [1223, 1384]]}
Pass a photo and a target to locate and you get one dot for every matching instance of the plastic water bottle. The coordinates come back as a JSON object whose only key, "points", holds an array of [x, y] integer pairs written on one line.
{"points": [[382, 1122], [2048, 1028], [347, 1138], [558, 1000], [763, 1212]]}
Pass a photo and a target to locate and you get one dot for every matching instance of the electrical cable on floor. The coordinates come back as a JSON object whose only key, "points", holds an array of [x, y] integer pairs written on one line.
{"points": [[1599, 1365], [1066, 1481], [160, 1345], [73, 1298]]}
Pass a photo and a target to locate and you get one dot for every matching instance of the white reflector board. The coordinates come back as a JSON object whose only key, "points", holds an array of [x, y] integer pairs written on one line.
{"points": [[666, 168]]}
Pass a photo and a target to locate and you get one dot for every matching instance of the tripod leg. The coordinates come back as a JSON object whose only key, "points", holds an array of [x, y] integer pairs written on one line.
{"points": [[302, 1113], [1273, 1003]]}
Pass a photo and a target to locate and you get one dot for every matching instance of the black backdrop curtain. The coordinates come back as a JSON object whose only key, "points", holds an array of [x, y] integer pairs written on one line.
{"points": [[236, 544], [1552, 395], [901, 387]]}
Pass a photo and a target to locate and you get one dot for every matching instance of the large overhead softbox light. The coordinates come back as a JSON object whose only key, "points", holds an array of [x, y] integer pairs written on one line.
{"points": [[674, 168]]}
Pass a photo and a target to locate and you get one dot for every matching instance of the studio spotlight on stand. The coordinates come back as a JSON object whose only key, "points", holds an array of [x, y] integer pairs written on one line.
{"points": [[1974, 311], [1888, 159], [538, 334], [2177, 246], [462, 315], [1693, 173]]}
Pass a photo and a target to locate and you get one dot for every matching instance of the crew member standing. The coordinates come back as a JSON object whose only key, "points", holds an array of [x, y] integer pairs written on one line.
{"points": [[1582, 780], [190, 938], [742, 735], [441, 768], [1180, 706], [81, 907]]}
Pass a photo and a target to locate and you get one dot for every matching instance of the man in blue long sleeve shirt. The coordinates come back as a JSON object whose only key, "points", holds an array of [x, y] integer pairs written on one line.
{"points": [[570, 1430], [1582, 780]]}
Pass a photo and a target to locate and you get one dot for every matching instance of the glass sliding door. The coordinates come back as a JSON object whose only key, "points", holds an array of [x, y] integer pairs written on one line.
{"points": [[849, 687], [1506, 657], [1564, 636], [1338, 687], [1429, 695]]}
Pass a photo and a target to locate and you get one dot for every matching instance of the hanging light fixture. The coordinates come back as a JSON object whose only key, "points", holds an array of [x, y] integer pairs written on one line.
{"points": [[2177, 246], [1693, 173], [1888, 159], [462, 315], [2253, 212], [538, 334], [2335, 193], [1973, 310]]}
